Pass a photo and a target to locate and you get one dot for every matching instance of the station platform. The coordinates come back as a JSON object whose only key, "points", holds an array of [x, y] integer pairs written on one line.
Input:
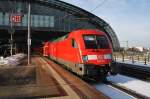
{"points": [[50, 81]]}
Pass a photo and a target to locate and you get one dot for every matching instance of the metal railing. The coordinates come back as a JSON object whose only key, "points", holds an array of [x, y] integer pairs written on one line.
{"points": [[132, 57]]}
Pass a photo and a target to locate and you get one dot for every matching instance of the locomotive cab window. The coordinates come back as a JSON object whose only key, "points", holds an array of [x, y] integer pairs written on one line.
{"points": [[74, 44], [95, 42]]}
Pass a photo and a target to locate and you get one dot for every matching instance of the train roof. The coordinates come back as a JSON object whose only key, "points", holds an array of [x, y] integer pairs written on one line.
{"points": [[59, 38], [81, 31]]}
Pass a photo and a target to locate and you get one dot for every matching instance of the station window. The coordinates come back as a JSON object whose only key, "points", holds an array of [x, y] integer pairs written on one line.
{"points": [[46, 21], [32, 20], [1, 18], [36, 18], [51, 21], [74, 44], [41, 21], [25, 20], [6, 19]]}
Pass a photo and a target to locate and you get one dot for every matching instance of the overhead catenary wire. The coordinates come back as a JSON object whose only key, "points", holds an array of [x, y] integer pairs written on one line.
{"points": [[67, 15], [99, 5]]}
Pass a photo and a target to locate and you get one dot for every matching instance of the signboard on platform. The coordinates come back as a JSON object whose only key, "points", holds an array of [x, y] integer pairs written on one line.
{"points": [[15, 18]]}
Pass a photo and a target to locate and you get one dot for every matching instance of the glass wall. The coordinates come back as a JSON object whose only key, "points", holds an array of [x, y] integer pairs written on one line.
{"points": [[42, 21], [44, 17], [36, 20]]}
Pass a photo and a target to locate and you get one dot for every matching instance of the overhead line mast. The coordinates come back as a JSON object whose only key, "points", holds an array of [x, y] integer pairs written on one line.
{"points": [[29, 37]]}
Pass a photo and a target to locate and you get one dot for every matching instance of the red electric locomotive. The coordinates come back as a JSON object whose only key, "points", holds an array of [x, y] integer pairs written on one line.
{"points": [[86, 52]]}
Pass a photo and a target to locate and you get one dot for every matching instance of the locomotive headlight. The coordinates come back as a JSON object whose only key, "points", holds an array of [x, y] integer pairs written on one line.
{"points": [[85, 58], [108, 56]]}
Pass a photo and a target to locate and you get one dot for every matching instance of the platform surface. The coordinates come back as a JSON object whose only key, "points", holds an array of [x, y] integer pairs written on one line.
{"points": [[51, 82]]}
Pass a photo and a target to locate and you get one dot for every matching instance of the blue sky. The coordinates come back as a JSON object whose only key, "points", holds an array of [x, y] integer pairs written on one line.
{"points": [[130, 19]]}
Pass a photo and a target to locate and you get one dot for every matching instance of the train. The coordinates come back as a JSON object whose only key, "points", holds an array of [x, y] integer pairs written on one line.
{"points": [[86, 52]]}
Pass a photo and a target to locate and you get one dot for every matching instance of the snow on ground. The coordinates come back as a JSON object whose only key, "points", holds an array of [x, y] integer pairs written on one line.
{"points": [[136, 85], [13, 60], [111, 92]]}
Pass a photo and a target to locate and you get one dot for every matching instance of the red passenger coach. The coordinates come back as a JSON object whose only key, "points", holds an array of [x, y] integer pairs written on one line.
{"points": [[85, 52]]}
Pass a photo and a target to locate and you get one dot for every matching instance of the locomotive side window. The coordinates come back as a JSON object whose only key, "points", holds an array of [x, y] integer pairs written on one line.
{"points": [[74, 44], [95, 42]]}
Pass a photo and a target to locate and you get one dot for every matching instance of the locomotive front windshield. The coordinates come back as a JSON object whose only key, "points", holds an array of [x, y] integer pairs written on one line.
{"points": [[96, 42]]}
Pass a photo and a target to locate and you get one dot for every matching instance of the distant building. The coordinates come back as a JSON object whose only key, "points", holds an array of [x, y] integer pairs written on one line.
{"points": [[141, 49]]}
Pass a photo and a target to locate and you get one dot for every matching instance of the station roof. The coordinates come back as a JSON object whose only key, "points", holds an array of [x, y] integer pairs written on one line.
{"points": [[100, 23], [76, 11]]}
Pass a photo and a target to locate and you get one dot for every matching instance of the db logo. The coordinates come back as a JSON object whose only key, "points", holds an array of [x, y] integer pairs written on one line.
{"points": [[100, 57], [15, 18]]}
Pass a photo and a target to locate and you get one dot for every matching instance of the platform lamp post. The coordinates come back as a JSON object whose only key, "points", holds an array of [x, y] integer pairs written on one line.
{"points": [[29, 38], [11, 31]]}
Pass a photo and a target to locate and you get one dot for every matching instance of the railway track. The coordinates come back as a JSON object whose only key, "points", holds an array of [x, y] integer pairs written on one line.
{"points": [[126, 90], [133, 70], [121, 88]]}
